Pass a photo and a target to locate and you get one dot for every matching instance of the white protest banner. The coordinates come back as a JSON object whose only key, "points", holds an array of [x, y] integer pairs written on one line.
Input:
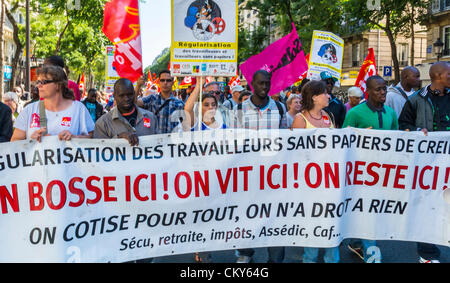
{"points": [[327, 51], [102, 200], [204, 38]]}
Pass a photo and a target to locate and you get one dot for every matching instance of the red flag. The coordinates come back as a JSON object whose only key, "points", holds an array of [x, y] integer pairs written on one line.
{"points": [[234, 81], [149, 77], [368, 69], [121, 26], [187, 82], [82, 85]]}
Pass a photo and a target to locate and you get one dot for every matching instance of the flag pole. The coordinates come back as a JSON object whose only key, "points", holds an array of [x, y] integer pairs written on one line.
{"points": [[200, 104]]}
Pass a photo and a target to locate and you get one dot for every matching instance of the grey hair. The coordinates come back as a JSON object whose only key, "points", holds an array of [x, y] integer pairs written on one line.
{"points": [[10, 95], [212, 83]]}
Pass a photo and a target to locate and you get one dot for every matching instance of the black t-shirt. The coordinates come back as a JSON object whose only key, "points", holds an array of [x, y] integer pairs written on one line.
{"points": [[132, 118], [441, 104], [338, 109]]}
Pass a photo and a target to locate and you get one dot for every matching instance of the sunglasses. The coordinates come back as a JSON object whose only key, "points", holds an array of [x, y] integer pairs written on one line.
{"points": [[44, 82], [166, 81]]}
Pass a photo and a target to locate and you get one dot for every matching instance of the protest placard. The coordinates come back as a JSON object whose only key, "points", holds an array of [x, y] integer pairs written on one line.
{"points": [[110, 73], [327, 51], [204, 38]]}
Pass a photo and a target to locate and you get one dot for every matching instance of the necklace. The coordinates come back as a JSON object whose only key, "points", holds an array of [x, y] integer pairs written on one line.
{"points": [[321, 117]]}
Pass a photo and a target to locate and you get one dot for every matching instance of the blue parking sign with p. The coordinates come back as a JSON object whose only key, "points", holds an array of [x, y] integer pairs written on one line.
{"points": [[387, 71]]}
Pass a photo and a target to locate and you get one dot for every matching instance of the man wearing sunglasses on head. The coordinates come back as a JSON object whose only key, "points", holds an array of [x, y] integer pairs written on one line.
{"points": [[223, 114], [168, 109]]}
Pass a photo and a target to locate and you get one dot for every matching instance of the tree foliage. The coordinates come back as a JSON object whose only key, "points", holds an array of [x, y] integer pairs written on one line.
{"points": [[342, 17], [394, 17], [71, 29], [161, 62]]}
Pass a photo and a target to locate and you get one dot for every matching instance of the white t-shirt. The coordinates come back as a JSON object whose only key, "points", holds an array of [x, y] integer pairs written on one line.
{"points": [[76, 119]]}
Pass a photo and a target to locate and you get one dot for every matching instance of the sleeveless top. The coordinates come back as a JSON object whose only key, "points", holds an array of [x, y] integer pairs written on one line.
{"points": [[311, 126]]}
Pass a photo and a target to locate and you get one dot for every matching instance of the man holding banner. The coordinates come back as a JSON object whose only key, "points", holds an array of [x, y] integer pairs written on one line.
{"points": [[428, 109], [126, 120], [372, 115], [260, 112]]}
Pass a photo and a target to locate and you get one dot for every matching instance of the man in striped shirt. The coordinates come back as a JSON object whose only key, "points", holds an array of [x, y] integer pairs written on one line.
{"points": [[260, 112]]}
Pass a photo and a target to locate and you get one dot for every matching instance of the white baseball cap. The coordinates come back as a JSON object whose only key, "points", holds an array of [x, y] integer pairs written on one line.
{"points": [[237, 88]]}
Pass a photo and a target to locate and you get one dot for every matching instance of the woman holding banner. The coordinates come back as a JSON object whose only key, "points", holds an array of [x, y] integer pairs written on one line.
{"points": [[314, 99], [56, 114], [209, 108]]}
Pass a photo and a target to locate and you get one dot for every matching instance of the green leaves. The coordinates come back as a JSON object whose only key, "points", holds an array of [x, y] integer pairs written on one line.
{"points": [[71, 29]]}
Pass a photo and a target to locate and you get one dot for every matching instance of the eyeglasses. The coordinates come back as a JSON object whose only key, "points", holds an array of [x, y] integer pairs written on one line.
{"points": [[166, 81], [215, 92], [44, 82]]}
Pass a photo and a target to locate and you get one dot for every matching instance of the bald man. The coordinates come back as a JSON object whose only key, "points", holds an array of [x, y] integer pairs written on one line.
{"points": [[397, 96], [429, 110], [126, 120]]}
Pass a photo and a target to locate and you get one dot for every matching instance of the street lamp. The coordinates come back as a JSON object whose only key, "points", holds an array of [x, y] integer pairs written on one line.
{"points": [[438, 47]]}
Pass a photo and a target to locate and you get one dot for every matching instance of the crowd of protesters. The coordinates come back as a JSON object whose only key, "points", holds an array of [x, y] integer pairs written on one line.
{"points": [[53, 107]]}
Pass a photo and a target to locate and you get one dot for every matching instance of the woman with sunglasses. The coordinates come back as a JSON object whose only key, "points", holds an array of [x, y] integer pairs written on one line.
{"points": [[209, 109], [56, 114]]}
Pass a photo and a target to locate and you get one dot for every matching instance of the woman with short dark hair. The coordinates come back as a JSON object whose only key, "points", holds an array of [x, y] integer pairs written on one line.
{"points": [[314, 99], [312, 114], [60, 114], [209, 107]]}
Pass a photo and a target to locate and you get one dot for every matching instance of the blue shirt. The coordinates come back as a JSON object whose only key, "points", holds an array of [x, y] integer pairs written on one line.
{"points": [[91, 108], [205, 127], [168, 116]]}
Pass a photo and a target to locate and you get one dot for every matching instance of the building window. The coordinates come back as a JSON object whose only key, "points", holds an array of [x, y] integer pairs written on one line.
{"points": [[446, 37], [440, 5], [446, 4], [402, 54], [355, 55], [435, 6]]}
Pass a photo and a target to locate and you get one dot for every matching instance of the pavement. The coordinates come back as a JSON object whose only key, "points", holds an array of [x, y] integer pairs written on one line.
{"points": [[392, 252]]}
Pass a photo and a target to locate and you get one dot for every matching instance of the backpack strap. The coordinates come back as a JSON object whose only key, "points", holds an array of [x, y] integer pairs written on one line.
{"points": [[42, 116], [280, 110], [402, 92], [162, 106]]}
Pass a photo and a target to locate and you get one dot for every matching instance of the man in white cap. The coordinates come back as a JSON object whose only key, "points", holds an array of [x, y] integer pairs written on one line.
{"points": [[234, 100], [355, 95]]}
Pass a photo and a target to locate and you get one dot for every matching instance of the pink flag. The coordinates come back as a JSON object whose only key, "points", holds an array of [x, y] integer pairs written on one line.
{"points": [[284, 59]]}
